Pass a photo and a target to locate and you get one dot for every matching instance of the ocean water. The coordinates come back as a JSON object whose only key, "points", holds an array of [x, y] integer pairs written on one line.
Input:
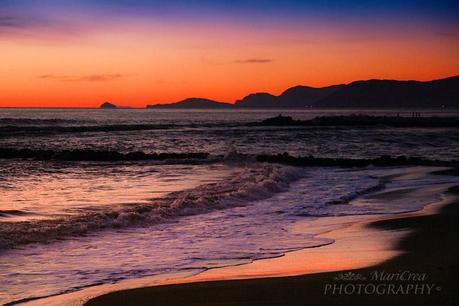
{"points": [[215, 132], [69, 225]]}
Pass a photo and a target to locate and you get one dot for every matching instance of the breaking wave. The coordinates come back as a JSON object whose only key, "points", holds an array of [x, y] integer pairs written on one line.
{"points": [[12, 212], [12, 126], [358, 193], [251, 183], [31, 121], [231, 156]]}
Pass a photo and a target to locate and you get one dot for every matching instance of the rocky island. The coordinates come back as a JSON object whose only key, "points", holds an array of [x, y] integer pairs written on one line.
{"points": [[108, 105]]}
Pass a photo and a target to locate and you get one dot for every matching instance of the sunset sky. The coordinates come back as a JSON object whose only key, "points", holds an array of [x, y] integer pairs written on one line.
{"points": [[80, 53]]}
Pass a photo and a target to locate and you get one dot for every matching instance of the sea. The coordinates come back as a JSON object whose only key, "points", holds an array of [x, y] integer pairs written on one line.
{"points": [[68, 224]]}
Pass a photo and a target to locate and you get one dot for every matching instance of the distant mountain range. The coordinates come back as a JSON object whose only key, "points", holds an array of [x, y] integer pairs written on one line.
{"points": [[294, 97], [358, 94], [197, 103]]}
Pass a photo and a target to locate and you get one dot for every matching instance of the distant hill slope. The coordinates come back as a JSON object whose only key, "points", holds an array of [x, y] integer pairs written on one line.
{"points": [[259, 100], [193, 103], [359, 94], [294, 97], [389, 93], [304, 96]]}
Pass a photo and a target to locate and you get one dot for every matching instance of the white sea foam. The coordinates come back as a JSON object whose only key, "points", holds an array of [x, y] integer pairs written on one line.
{"points": [[249, 184]]}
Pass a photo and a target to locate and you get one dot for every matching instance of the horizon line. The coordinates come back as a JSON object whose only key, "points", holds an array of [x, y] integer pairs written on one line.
{"points": [[224, 102]]}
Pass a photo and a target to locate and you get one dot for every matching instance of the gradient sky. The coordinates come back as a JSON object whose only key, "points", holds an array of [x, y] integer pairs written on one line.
{"points": [[80, 53]]}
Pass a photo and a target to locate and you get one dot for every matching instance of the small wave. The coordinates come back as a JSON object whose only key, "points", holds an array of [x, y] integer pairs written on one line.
{"points": [[12, 212], [353, 195], [341, 206], [94, 155], [30, 121], [7, 130], [321, 212], [12, 127], [251, 183]]}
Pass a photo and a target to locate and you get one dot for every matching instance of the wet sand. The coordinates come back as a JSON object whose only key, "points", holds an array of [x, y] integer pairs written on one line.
{"points": [[427, 249]]}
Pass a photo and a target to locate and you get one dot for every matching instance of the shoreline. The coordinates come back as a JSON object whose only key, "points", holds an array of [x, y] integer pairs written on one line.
{"points": [[364, 253], [421, 251]]}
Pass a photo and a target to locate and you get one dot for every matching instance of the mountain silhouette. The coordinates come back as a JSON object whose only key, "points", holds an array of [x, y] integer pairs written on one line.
{"points": [[193, 103], [359, 94], [261, 99], [390, 93], [305, 96]]}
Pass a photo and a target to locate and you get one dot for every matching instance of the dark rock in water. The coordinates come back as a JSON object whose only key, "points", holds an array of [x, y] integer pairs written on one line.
{"points": [[383, 161], [281, 120], [108, 105], [365, 121], [91, 155], [452, 172]]}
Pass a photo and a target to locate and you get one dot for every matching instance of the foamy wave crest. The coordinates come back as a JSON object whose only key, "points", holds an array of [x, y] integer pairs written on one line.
{"points": [[249, 184]]}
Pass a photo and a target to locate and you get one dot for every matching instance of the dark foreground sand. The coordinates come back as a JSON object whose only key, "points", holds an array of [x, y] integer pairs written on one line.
{"points": [[432, 248]]}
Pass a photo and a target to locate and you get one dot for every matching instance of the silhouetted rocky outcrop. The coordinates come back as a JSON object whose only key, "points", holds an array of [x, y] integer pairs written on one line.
{"points": [[383, 161], [364, 121], [108, 105], [282, 120], [193, 103]]}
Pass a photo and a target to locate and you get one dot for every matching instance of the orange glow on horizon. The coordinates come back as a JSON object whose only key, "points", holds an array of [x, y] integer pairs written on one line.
{"points": [[138, 68]]}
